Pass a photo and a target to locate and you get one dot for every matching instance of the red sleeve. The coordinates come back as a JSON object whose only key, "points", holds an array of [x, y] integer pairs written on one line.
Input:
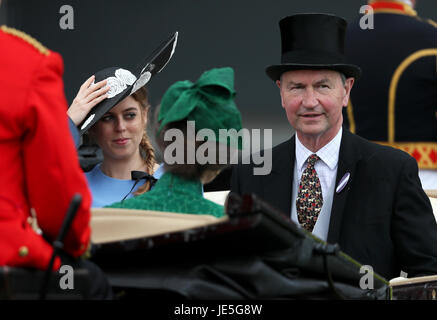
{"points": [[52, 170]]}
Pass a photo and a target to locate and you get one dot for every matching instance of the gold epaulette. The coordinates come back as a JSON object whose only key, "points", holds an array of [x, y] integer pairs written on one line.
{"points": [[425, 153], [25, 37], [392, 6], [432, 22]]}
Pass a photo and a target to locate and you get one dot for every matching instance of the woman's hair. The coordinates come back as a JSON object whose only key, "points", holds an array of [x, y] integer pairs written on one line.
{"points": [[188, 171], [146, 149]]}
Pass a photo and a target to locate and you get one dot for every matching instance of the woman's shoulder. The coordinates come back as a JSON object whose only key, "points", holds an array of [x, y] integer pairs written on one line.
{"points": [[106, 190], [94, 174]]}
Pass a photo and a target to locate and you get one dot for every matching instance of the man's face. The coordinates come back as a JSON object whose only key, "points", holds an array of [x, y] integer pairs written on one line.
{"points": [[313, 101]]}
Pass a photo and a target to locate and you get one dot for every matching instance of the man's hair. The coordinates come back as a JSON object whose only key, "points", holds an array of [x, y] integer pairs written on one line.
{"points": [[343, 77]]}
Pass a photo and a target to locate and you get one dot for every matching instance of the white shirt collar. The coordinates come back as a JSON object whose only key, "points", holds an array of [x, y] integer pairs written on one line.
{"points": [[328, 154]]}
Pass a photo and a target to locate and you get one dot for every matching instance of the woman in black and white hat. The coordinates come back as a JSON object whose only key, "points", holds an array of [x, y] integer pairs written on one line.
{"points": [[112, 106]]}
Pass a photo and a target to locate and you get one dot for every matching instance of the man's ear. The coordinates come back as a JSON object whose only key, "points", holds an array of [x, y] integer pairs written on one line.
{"points": [[278, 83], [348, 87]]}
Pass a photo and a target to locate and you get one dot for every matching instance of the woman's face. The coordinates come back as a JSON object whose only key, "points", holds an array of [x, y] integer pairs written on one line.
{"points": [[120, 130]]}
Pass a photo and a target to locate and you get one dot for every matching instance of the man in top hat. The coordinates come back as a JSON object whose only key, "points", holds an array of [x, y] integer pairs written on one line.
{"points": [[395, 102], [342, 188]]}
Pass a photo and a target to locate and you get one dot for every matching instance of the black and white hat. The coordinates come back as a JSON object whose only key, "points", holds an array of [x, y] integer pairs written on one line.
{"points": [[123, 82], [313, 41]]}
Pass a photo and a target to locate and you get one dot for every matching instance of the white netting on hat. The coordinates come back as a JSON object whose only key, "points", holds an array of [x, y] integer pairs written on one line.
{"points": [[144, 78]]}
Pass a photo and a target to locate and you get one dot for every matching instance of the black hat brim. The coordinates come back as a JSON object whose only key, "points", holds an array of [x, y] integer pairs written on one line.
{"points": [[153, 65], [103, 107], [275, 71], [97, 112]]}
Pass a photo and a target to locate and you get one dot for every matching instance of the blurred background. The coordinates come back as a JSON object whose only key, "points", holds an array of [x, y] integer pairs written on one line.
{"points": [[242, 34]]}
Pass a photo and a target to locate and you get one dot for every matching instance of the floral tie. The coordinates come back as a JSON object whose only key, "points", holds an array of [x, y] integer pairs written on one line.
{"points": [[309, 198]]}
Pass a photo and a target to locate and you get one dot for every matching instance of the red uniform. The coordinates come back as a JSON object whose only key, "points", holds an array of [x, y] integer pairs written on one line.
{"points": [[39, 166]]}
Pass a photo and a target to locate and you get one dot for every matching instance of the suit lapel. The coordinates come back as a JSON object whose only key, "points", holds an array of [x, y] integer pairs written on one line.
{"points": [[277, 185], [348, 158]]}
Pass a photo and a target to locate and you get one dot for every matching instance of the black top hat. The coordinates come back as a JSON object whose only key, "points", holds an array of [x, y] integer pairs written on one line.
{"points": [[123, 82], [313, 41]]}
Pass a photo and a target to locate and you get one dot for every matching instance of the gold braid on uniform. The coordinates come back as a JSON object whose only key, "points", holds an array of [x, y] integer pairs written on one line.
{"points": [[425, 153], [24, 36], [432, 22], [402, 8]]}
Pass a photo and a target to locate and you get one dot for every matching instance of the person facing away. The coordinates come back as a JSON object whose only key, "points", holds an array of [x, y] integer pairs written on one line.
{"points": [[39, 164], [186, 110], [395, 101], [340, 187], [121, 134]]}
